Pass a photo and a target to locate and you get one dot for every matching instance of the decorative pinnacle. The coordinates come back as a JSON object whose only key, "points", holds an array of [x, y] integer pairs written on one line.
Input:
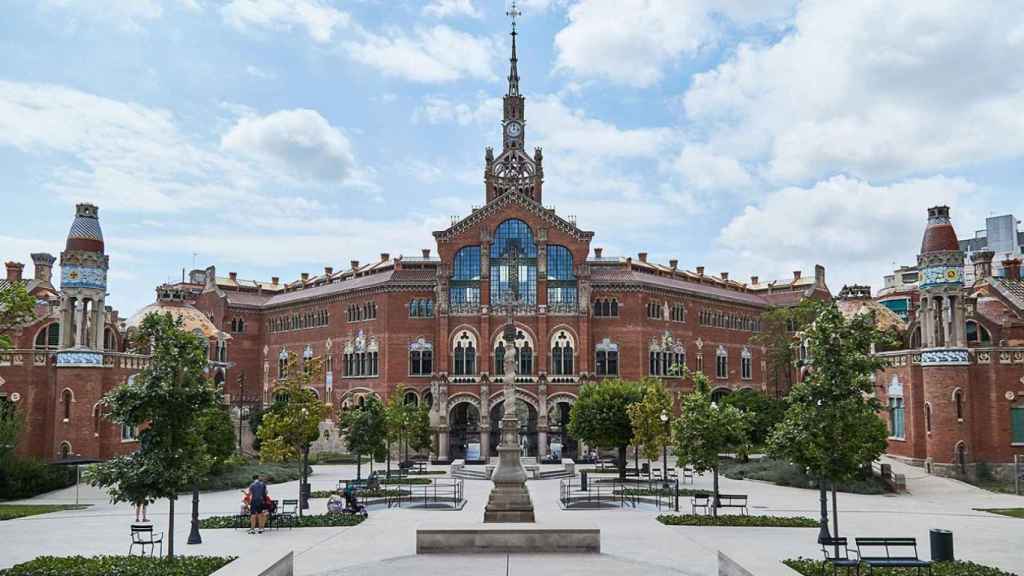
{"points": [[513, 76]]}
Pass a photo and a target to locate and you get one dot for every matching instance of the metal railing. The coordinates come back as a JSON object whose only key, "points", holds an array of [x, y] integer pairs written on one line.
{"points": [[440, 493], [590, 492]]}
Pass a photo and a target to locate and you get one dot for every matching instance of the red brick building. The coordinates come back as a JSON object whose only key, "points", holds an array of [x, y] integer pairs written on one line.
{"points": [[955, 398]]}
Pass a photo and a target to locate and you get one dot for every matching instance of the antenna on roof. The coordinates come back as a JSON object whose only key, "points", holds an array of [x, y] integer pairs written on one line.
{"points": [[194, 255]]}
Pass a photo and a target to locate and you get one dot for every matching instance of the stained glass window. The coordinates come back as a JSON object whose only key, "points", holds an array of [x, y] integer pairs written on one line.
{"points": [[513, 234], [465, 285]]}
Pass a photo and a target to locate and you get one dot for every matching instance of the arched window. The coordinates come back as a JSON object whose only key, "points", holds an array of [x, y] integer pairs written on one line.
{"points": [[606, 361], [606, 307], [109, 340], [977, 334], [562, 354], [65, 450], [66, 399], [428, 399], [48, 337], [410, 399], [421, 358], [722, 363], [746, 365], [464, 355], [282, 364], [513, 235], [915, 338], [96, 419], [958, 404], [523, 354], [561, 278], [961, 457], [927, 417], [464, 290]]}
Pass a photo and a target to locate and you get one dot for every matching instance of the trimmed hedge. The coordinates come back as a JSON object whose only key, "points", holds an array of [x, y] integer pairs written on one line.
{"points": [[739, 521], [314, 521], [12, 511], [26, 477], [809, 567], [416, 481], [683, 492], [362, 493], [118, 565], [240, 475], [786, 474]]}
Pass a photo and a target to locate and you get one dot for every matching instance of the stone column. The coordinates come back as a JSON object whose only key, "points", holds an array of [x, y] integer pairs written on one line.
{"points": [[98, 324], [542, 442], [79, 322], [442, 444], [485, 442]]}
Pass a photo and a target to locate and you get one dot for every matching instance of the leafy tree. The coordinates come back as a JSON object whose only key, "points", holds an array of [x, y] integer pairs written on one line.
{"points": [[779, 328], [704, 430], [649, 431], [763, 412], [831, 427], [396, 416], [17, 308], [11, 424], [218, 433], [420, 436], [293, 422], [167, 397], [364, 430], [599, 416]]}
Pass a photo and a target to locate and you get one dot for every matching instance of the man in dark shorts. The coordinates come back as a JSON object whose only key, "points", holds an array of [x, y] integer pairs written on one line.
{"points": [[257, 505]]}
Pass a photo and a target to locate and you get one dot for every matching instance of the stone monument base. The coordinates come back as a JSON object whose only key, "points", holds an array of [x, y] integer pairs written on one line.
{"points": [[508, 538], [509, 503]]}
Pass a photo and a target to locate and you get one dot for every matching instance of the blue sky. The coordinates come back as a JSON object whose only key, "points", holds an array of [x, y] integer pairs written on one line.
{"points": [[273, 137]]}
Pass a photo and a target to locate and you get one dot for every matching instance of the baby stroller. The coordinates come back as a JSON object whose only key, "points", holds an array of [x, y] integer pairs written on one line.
{"points": [[352, 505]]}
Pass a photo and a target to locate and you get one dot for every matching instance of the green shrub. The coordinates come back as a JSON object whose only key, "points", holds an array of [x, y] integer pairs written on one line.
{"points": [[335, 458], [809, 567], [12, 511], [732, 520], [786, 474], [314, 521], [118, 565], [683, 492], [240, 475], [362, 494], [25, 478], [417, 481]]}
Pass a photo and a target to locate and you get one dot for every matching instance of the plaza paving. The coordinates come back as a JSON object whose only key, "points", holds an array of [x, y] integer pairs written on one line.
{"points": [[632, 541]]}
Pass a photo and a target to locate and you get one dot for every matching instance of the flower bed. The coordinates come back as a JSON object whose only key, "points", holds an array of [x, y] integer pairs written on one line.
{"points": [[118, 565], [362, 493], [314, 521], [735, 520], [809, 567]]}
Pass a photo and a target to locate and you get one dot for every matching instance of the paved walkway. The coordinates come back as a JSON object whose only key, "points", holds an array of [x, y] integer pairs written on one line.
{"points": [[632, 541]]}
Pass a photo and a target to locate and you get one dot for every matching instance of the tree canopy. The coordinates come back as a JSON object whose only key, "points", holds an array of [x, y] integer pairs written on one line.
{"points": [[364, 428], [599, 416], [293, 421], [779, 328], [17, 308], [650, 433]]}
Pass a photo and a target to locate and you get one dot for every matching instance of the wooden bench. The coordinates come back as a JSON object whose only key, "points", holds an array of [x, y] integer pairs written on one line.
{"points": [[890, 553], [838, 556]]}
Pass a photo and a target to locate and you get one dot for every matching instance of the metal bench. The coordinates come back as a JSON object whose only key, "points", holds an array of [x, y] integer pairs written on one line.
{"points": [[733, 501], [890, 553], [688, 474], [702, 501], [142, 536], [838, 556], [286, 514]]}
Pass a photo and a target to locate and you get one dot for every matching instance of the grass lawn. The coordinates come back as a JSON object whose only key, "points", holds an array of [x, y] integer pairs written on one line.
{"points": [[809, 567], [119, 565], [12, 511], [735, 520], [1011, 512]]}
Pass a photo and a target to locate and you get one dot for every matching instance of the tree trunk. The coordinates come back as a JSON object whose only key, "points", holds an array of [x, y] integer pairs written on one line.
{"points": [[170, 528], [822, 496], [622, 462], [359, 466], [388, 473], [714, 507], [636, 461]]}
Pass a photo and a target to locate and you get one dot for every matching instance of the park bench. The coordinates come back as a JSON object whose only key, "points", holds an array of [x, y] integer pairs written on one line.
{"points": [[890, 553], [688, 474], [702, 501], [733, 501], [838, 556], [142, 536]]}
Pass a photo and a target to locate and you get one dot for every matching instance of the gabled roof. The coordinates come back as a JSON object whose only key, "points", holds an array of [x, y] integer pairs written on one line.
{"points": [[1011, 290], [391, 277], [621, 275], [512, 199]]}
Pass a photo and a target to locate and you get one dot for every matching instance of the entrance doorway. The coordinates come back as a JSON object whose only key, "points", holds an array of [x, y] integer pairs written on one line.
{"points": [[463, 429], [527, 426], [558, 421]]}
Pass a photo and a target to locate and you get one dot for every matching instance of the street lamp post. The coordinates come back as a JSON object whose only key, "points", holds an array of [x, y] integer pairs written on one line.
{"points": [[193, 535], [664, 449]]}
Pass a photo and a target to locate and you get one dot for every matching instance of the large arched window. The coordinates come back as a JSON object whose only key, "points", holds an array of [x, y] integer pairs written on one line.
{"points": [[606, 358], [48, 337], [562, 347], [66, 399], [464, 355], [465, 286], [722, 363], [561, 279], [513, 235]]}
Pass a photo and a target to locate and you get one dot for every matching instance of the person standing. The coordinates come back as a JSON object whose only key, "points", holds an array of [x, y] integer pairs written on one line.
{"points": [[257, 505]]}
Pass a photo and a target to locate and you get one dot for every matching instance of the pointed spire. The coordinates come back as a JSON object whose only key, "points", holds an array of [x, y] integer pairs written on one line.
{"points": [[513, 75]]}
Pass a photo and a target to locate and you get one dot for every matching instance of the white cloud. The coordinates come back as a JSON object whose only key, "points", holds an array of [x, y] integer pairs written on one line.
{"points": [[298, 141], [705, 170], [439, 110], [431, 55], [129, 16], [319, 18], [257, 72], [844, 220], [879, 89], [446, 8], [632, 41]]}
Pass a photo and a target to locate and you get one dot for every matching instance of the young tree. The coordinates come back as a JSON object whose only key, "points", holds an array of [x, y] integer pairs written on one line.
{"points": [[649, 431], [704, 430], [779, 328], [396, 416], [831, 427], [167, 397], [11, 424], [599, 416], [293, 422], [17, 308], [763, 413], [218, 433], [364, 430], [419, 436]]}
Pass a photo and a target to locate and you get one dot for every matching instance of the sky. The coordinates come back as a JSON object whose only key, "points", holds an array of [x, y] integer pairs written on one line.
{"points": [[274, 137]]}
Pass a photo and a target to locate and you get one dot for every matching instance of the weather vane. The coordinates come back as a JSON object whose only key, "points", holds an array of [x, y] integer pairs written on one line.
{"points": [[514, 13]]}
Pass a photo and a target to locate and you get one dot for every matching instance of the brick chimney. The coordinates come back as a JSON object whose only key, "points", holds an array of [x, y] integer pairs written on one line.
{"points": [[819, 275], [355, 264], [673, 264], [274, 280], [753, 280], [233, 276], [796, 275], [426, 253], [304, 276], [384, 256], [642, 256], [43, 264], [598, 252], [700, 270], [725, 276], [14, 272], [982, 264], [328, 270], [1011, 268]]}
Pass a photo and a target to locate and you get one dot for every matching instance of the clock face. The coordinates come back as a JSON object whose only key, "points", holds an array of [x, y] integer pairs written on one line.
{"points": [[513, 129]]}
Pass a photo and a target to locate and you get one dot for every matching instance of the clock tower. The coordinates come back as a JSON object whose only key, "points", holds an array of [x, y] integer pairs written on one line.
{"points": [[514, 171]]}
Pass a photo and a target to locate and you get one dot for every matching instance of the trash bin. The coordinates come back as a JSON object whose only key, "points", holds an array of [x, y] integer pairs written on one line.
{"points": [[941, 544], [583, 481]]}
